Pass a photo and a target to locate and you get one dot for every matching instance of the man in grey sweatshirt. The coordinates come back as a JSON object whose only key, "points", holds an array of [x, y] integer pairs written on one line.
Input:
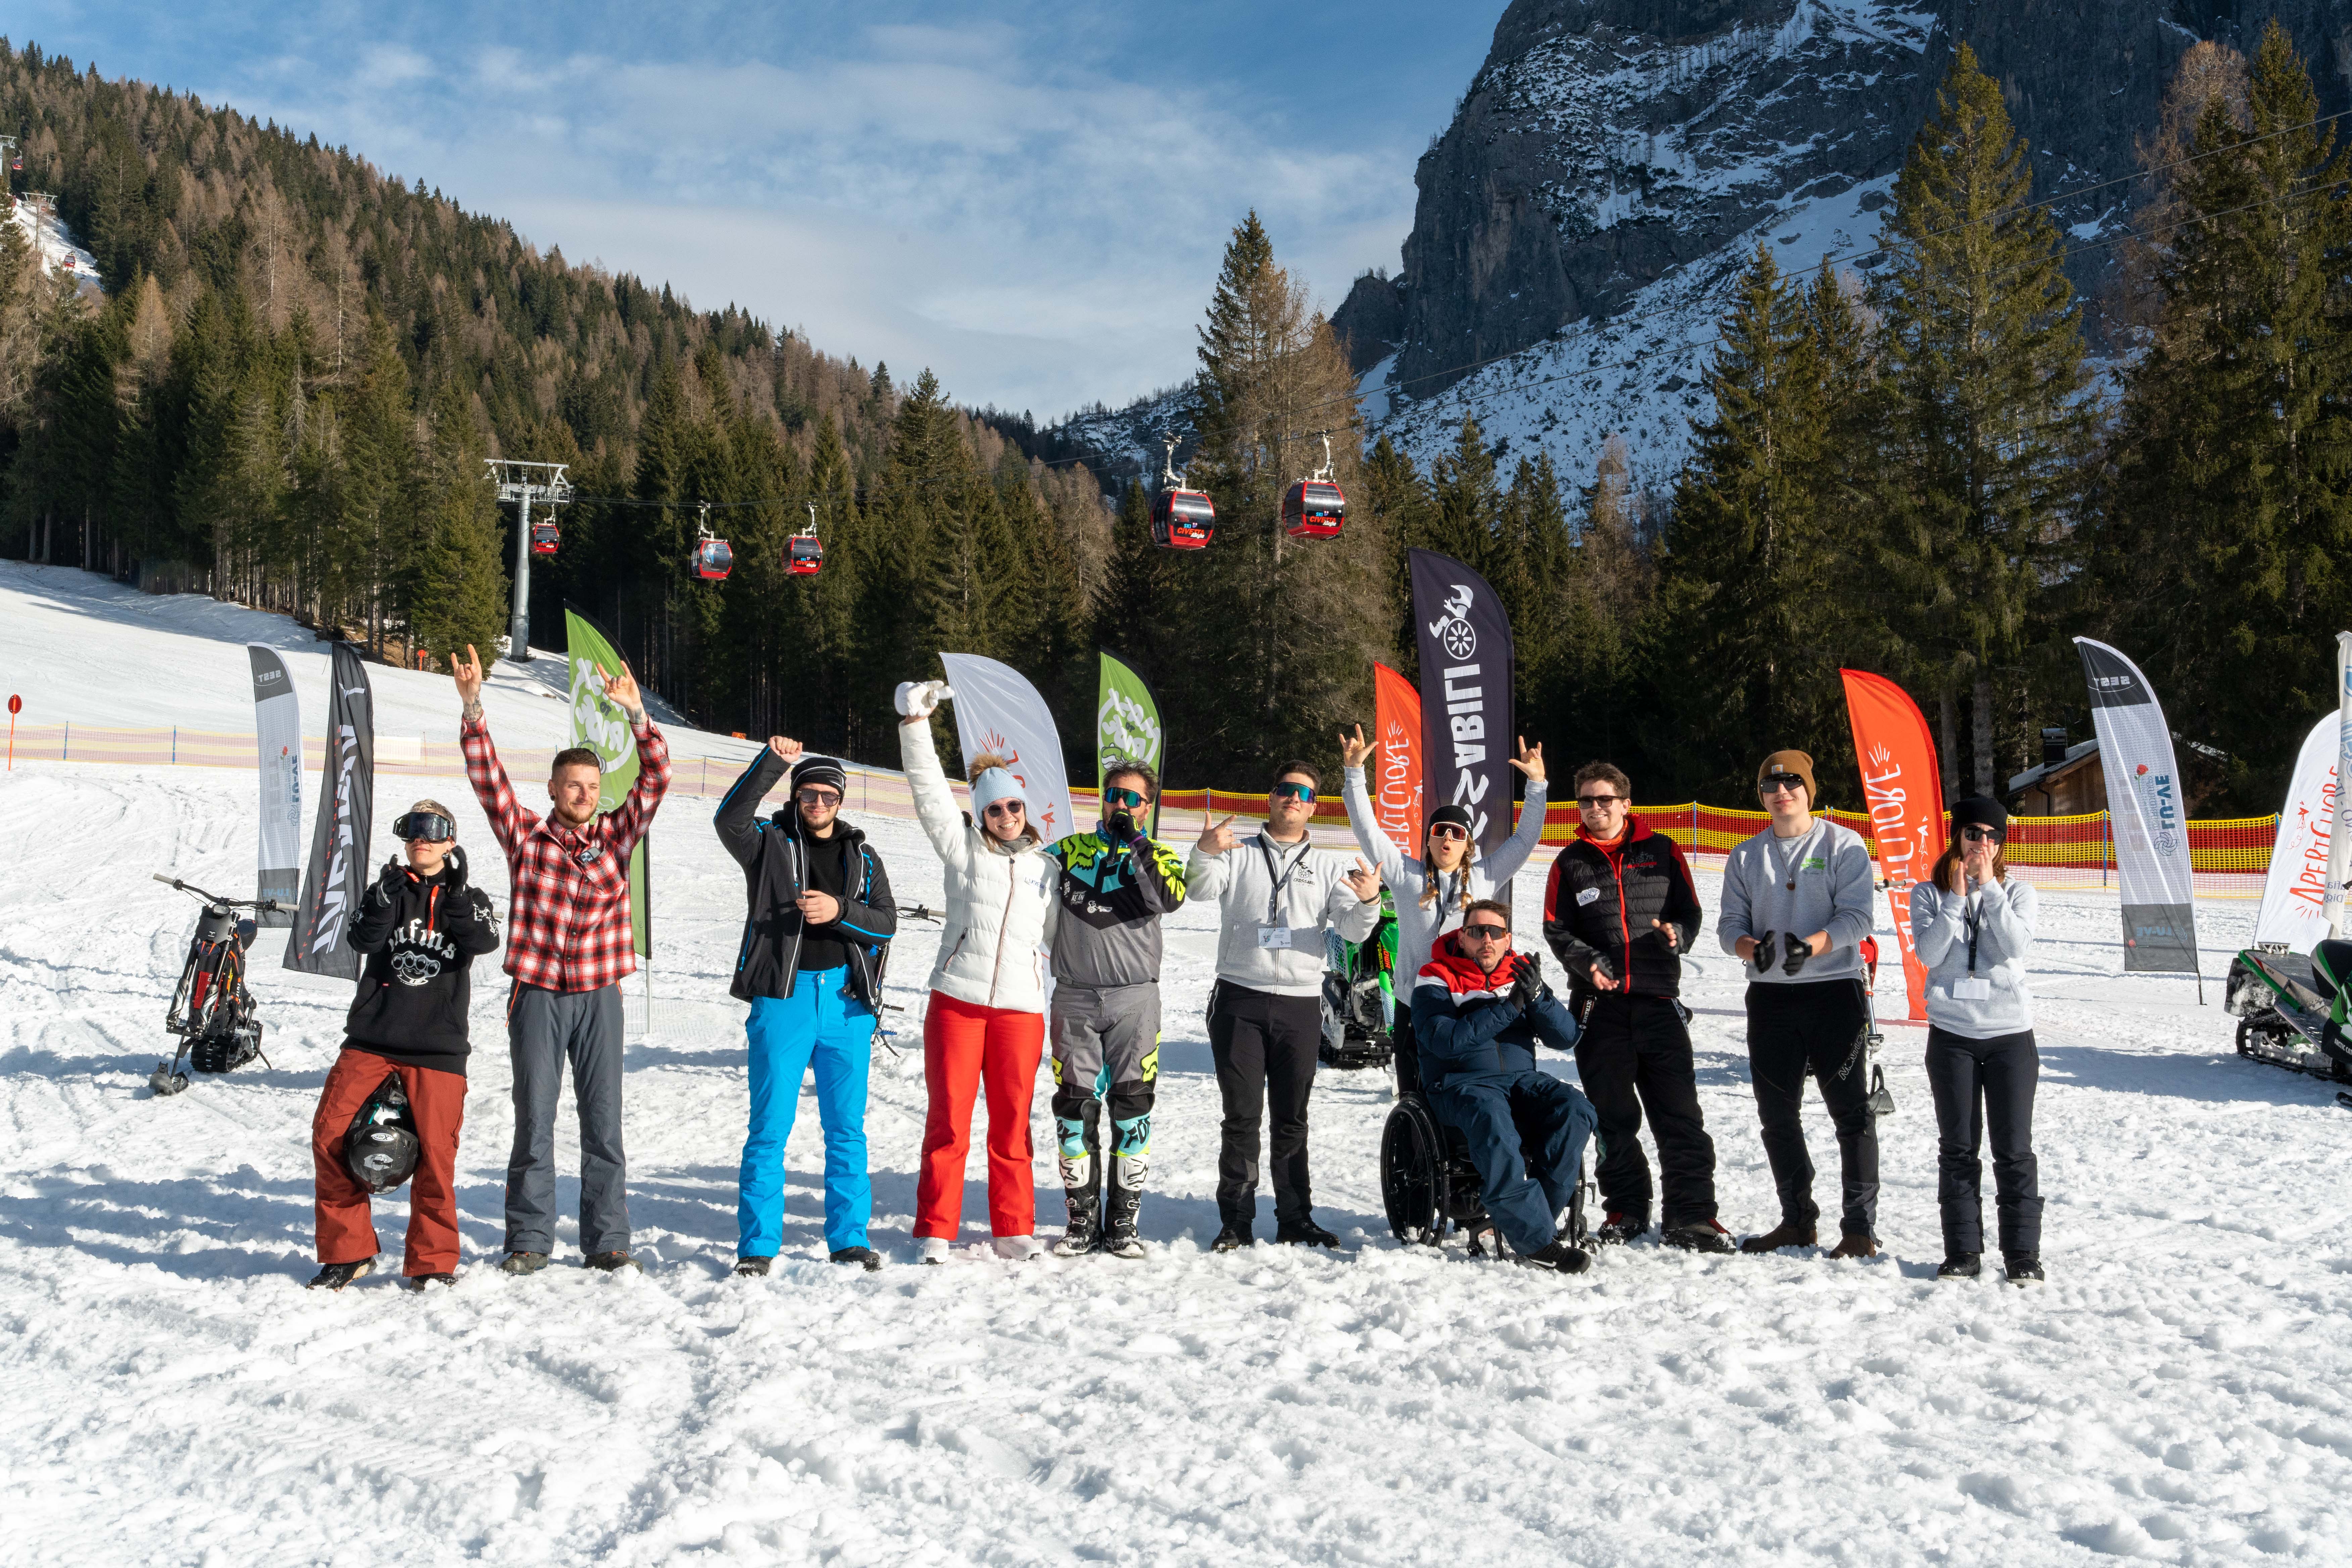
{"points": [[1796, 905], [1277, 897]]}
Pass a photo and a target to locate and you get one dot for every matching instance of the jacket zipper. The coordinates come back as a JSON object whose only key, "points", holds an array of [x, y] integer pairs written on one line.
{"points": [[792, 969], [1012, 890], [1625, 918]]}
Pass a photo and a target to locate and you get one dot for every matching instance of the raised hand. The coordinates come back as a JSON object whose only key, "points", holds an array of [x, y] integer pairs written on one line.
{"points": [[1353, 753], [1530, 759], [787, 748], [623, 688], [1216, 840], [1364, 880], [468, 673]]}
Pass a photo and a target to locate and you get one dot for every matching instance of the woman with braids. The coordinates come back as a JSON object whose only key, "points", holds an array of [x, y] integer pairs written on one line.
{"points": [[1433, 891]]}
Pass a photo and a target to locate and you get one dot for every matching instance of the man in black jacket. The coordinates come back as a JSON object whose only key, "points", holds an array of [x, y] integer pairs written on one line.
{"points": [[1619, 911], [815, 937], [422, 925]]}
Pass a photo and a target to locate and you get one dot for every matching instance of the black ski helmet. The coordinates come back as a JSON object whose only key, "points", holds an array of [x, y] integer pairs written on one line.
{"points": [[381, 1146]]}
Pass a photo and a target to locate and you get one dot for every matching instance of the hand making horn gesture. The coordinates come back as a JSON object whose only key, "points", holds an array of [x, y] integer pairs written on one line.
{"points": [[622, 689], [1530, 760], [1218, 838], [468, 673], [1364, 880], [1354, 753]]}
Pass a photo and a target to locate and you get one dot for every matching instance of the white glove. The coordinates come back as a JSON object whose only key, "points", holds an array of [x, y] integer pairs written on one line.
{"points": [[921, 699]]}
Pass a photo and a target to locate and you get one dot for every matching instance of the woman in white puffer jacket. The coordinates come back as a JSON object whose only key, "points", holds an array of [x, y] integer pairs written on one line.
{"points": [[986, 1021]]}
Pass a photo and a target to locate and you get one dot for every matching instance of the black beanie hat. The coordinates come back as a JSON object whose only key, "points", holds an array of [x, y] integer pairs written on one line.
{"points": [[1979, 811], [1457, 815], [820, 771]]}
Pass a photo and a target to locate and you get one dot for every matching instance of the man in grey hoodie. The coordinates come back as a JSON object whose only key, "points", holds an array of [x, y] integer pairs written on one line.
{"points": [[1265, 1012], [1796, 905]]}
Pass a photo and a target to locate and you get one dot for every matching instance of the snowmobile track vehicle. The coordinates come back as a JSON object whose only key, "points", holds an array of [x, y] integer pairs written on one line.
{"points": [[211, 1012], [2291, 1009], [1359, 997]]}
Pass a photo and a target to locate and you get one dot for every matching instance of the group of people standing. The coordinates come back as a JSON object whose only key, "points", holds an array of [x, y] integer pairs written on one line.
{"points": [[1084, 912]]}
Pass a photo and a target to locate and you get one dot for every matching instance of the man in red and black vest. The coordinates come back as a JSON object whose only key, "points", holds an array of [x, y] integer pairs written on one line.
{"points": [[1619, 913]]}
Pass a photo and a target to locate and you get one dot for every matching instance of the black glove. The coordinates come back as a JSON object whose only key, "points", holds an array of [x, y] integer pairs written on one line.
{"points": [[1527, 980], [389, 884], [1764, 953], [1123, 828], [1600, 975], [1799, 950]]}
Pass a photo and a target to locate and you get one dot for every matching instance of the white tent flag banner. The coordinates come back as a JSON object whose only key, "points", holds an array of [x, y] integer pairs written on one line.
{"points": [[2151, 828], [2340, 838], [2295, 894], [278, 746], [997, 711]]}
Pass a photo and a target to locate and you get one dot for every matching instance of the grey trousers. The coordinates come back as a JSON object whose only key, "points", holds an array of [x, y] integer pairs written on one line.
{"points": [[543, 1028]]}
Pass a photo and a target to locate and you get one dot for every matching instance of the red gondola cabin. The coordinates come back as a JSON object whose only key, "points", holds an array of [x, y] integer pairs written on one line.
{"points": [[1313, 509], [804, 555], [713, 559], [544, 538], [1184, 519]]}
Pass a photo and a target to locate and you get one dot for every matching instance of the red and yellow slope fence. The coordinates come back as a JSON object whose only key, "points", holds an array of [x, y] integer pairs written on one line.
{"points": [[2230, 855]]}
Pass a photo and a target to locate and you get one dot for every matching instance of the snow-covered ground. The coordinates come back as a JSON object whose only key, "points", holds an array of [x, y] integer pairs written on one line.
{"points": [[2180, 1391], [53, 244]]}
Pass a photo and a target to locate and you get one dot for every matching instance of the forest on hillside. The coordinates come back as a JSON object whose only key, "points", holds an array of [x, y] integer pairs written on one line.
{"points": [[299, 364]]}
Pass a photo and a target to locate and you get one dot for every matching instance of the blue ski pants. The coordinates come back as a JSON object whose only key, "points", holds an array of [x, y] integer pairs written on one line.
{"points": [[1527, 1132], [821, 1022]]}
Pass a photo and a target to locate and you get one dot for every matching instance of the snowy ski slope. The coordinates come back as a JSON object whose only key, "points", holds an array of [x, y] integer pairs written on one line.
{"points": [[2181, 1392]]}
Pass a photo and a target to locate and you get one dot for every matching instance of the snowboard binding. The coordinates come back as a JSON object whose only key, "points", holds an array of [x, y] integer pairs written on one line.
{"points": [[211, 1012]]}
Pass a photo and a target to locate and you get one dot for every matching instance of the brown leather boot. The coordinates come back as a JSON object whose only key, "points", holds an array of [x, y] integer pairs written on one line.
{"points": [[1853, 1244], [1788, 1233]]}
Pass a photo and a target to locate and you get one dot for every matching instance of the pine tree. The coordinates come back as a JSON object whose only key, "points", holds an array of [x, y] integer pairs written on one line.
{"points": [[1985, 411], [2233, 509], [460, 596]]}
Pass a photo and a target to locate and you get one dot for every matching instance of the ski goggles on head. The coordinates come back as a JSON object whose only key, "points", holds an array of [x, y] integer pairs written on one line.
{"points": [[1289, 791], [1774, 784], [1975, 834], [428, 826], [1126, 797]]}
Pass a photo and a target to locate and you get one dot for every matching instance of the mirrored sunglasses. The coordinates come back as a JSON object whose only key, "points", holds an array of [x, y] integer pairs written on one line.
{"points": [[1126, 797], [1448, 830], [1486, 932], [1289, 791]]}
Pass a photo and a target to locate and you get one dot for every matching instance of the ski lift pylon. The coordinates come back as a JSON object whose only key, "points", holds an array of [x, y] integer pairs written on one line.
{"points": [[804, 552], [1181, 519], [1314, 507], [713, 556]]}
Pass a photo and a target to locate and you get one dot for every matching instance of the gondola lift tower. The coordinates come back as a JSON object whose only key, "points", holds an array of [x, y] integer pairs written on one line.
{"points": [[524, 483]]}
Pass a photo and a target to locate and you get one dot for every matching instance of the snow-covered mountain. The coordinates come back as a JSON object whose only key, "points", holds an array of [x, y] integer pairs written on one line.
{"points": [[53, 244], [1615, 162]]}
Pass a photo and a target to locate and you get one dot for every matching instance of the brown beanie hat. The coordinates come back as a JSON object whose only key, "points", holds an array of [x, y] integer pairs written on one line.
{"points": [[1795, 763]]}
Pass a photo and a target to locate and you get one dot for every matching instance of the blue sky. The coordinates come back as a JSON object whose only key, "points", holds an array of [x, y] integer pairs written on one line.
{"points": [[1030, 199]]}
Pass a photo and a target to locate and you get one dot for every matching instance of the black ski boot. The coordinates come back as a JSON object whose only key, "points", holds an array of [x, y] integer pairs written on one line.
{"points": [[1232, 1237], [753, 1268], [1557, 1253], [1303, 1233], [335, 1276], [865, 1257], [2022, 1267], [1620, 1228], [1699, 1236], [1961, 1266]]}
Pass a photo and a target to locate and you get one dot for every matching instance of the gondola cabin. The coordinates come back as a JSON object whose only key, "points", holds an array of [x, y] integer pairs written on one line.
{"points": [[713, 559], [1184, 519], [544, 538], [1313, 509], [804, 555]]}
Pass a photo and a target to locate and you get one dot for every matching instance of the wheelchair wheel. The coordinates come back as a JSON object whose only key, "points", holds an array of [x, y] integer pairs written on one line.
{"points": [[1412, 1159]]}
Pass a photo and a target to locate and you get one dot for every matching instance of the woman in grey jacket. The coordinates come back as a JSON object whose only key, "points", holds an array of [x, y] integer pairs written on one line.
{"points": [[1971, 925]]}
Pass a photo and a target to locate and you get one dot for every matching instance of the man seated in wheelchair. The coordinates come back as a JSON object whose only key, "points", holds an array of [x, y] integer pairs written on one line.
{"points": [[1478, 1009]]}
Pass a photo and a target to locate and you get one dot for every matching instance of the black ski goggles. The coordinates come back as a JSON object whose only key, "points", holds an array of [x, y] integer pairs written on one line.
{"points": [[429, 826]]}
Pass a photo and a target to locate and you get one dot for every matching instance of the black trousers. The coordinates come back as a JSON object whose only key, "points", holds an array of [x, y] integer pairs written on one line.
{"points": [[1264, 1047], [1634, 1055], [1815, 1026], [1982, 1085]]}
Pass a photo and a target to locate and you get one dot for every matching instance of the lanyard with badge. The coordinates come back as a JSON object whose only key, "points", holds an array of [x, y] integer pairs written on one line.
{"points": [[1275, 934], [1972, 986]]}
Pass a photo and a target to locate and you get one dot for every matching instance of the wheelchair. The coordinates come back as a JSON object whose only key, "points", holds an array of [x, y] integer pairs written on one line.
{"points": [[1429, 1185]]}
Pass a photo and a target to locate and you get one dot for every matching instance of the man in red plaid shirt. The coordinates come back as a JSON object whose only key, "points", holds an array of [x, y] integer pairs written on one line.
{"points": [[567, 947]]}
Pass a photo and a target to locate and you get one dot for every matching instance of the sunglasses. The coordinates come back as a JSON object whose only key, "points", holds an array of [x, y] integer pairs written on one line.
{"points": [[1287, 791], [1449, 830], [1981, 834], [1774, 784], [1595, 802], [1487, 933], [430, 826], [811, 796], [1003, 809], [1126, 797]]}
